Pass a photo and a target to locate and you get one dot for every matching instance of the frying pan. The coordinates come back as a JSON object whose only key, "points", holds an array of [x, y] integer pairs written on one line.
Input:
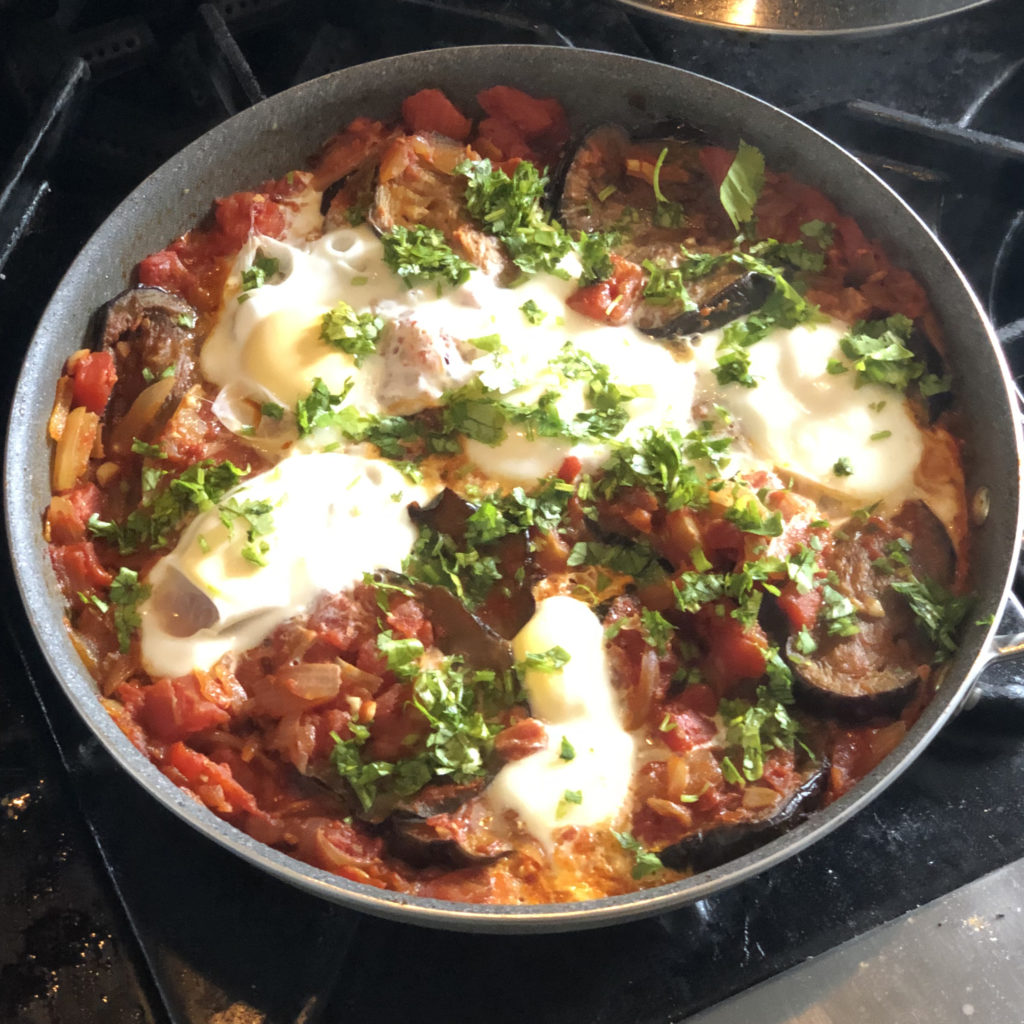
{"points": [[279, 134], [804, 17]]}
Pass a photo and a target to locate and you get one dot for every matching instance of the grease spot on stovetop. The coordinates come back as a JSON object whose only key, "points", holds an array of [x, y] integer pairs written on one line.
{"points": [[53, 944]]}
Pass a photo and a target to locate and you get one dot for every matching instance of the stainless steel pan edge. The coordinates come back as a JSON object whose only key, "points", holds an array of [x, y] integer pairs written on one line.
{"points": [[279, 134]]}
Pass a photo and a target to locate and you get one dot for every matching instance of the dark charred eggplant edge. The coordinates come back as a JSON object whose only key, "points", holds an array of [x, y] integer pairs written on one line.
{"points": [[708, 849]]}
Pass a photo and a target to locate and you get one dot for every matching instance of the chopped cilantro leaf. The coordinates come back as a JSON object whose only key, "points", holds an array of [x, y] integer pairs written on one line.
{"points": [[420, 254], [352, 332], [733, 360], [842, 467], [552, 660], [566, 751], [594, 251], [666, 285], [742, 184], [152, 451], [762, 726], [487, 343], [511, 209], [837, 613], [402, 655], [658, 631], [533, 313], [939, 611], [879, 352], [647, 861], [126, 593], [263, 267]]}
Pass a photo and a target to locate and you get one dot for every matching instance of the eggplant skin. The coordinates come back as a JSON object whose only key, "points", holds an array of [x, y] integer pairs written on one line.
{"points": [[822, 690], [158, 328], [745, 295], [705, 850], [422, 829]]}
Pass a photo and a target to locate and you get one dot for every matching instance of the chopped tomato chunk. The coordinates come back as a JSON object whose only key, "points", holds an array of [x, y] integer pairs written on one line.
{"points": [[94, 378], [173, 709], [800, 609], [429, 110], [611, 300]]}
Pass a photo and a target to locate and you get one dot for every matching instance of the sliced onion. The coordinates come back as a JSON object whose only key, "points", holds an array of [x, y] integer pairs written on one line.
{"points": [[667, 809], [141, 415], [61, 408], [357, 677], [320, 681], [71, 459], [757, 798]]}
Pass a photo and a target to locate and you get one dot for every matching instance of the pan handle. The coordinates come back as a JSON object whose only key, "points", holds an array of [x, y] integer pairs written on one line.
{"points": [[998, 680], [1010, 645]]}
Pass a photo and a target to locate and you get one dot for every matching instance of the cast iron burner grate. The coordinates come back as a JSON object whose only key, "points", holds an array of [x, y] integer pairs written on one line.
{"points": [[108, 900]]}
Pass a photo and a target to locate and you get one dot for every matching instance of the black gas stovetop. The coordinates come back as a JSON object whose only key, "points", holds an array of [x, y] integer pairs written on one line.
{"points": [[113, 910]]}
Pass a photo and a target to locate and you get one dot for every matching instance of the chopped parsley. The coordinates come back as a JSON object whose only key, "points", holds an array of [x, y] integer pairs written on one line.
{"points": [[461, 709], [754, 729], [352, 332], [420, 254], [567, 752], [125, 595], [647, 861], [263, 267], [666, 285], [533, 313], [511, 209], [552, 660], [594, 251], [842, 467]]}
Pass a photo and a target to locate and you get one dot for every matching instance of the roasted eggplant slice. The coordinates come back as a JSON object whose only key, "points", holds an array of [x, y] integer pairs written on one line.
{"points": [[609, 186], [503, 613], [705, 850], [442, 825], [876, 671], [447, 514], [931, 553], [418, 186], [848, 682], [743, 295], [151, 334], [458, 631]]}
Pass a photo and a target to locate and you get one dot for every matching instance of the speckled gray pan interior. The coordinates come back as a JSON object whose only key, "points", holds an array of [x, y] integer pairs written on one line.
{"points": [[280, 134]]}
